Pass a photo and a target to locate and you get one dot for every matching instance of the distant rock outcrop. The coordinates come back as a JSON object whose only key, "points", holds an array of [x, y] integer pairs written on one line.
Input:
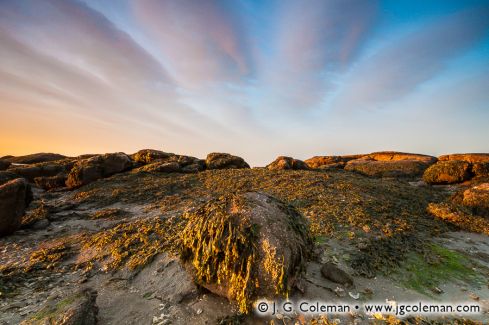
{"points": [[88, 170], [323, 162], [51, 182], [34, 158], [283, 163], [395, 168], [468, 157], [44, 169], [447, 172], [15, 196], [391, 164], [147, 156], [217, 160], [245, 246]]}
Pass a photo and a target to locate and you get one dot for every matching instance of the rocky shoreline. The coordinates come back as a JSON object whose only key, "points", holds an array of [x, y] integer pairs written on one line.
{"points": [[163, 238]]}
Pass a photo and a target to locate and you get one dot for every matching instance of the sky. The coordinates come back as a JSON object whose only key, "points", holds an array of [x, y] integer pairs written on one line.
{"points": [[253, 78]]}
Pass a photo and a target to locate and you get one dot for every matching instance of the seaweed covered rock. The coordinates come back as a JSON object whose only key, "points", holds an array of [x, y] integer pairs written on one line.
{"points": [[44, 169], [245, 246], [15, 196], [467, 157], [447, 172], [477, 198], [78, 308], [217, 160], [322, 162], [35, 158], [283, 162], [480, 169], [161, 167], [4, 164], [394, 168], [89, 170]]}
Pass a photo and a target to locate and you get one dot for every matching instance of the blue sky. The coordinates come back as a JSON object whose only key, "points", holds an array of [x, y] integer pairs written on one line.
{"points": [[254, 78]]}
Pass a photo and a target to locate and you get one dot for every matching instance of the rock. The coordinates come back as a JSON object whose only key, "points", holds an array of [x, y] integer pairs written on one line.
{"points": [[51, 182], [147, 156], [15, 196], [480, 169], [45, 169], [161, 167], [218, 160], [88, 170], [336, 275], [244, 246], [194, 168], [34, 158], [40, 224], [467, 157], [6, 176], [283, 163], [447, 172], [4, 164], [477, 198], [321, 162], [393, 168], [76, 309], [396, 156]]}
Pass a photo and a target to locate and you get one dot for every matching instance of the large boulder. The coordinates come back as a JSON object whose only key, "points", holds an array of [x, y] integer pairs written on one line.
{"points": [[447, 172], [323, 162], [392, 168], [217, 160], [480, 169], [245, 246], [477, 198], [88, 170], [4, 164], [467, 157], [78, 308], [283, 163], [15, 196], [34, 158], [44, 169]]}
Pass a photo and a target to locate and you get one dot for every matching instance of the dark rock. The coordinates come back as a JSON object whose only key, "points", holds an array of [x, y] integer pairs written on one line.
{"points": [[282, 163], [218, 160], [245, 246], [34, 158], [76, 309], [194, 168], [447, 172], [88, 170], [40, 224], [6, 176], [51, 182], [336, 275], [4, 164], [15, 196]]}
